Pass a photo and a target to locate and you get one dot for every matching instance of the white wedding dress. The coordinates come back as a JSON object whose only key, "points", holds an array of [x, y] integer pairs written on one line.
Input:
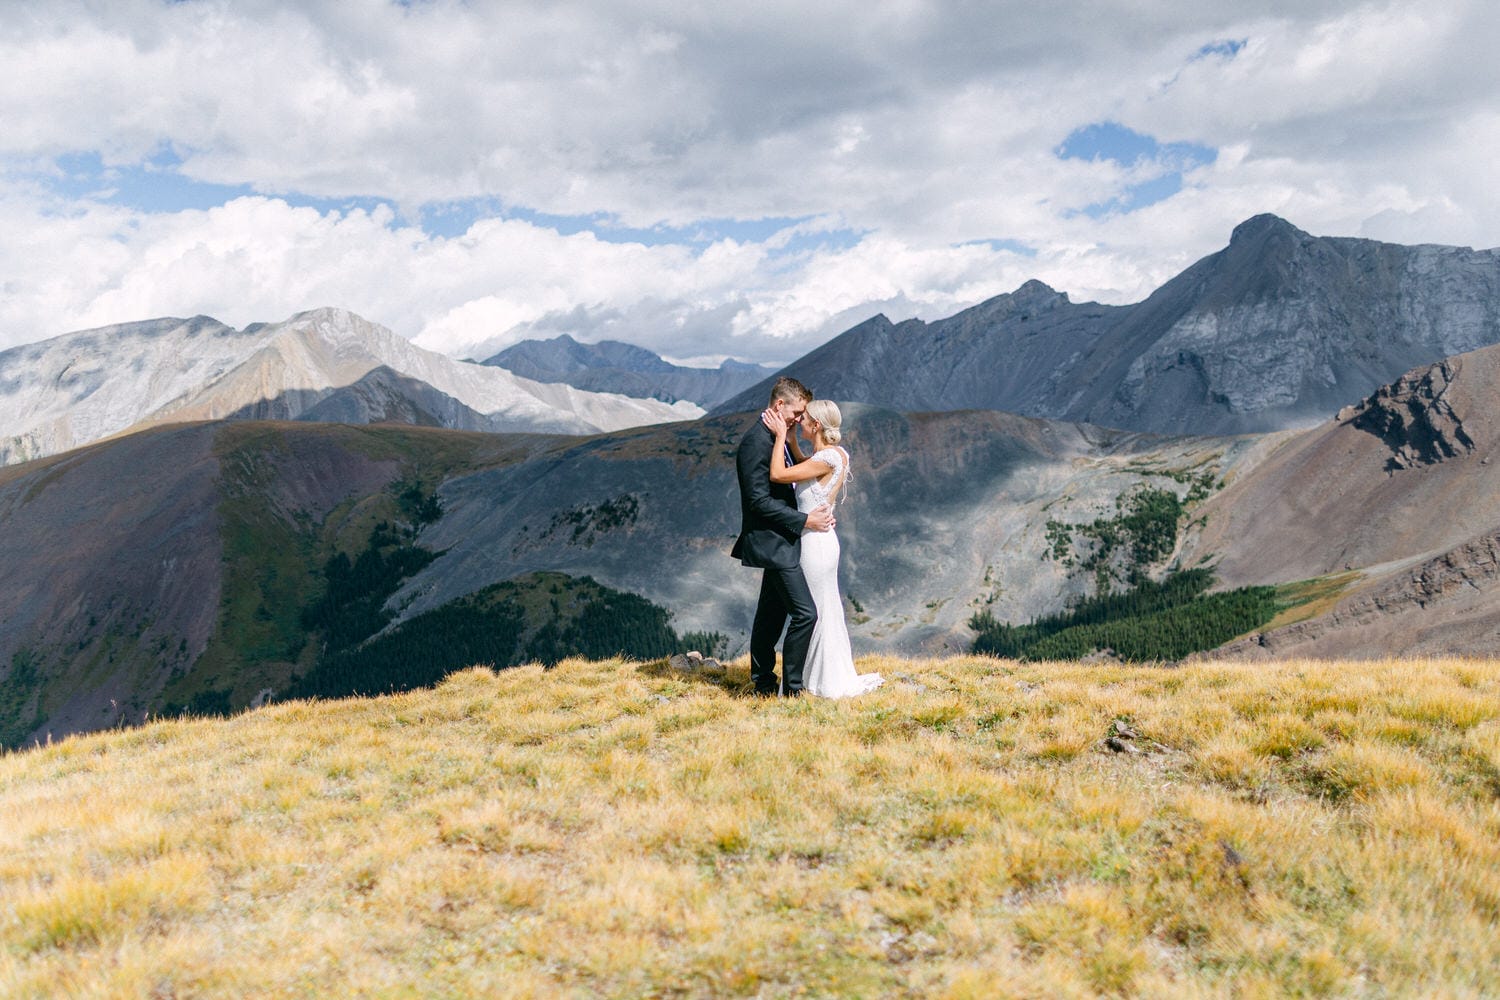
{"points": [[829, 671]]}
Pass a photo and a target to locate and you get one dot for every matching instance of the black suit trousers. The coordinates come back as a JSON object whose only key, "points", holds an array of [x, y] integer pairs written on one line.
{"points": [[783, 595]]}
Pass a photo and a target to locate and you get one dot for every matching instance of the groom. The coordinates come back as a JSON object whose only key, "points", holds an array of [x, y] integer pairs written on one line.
{"points": [[771, 539]]}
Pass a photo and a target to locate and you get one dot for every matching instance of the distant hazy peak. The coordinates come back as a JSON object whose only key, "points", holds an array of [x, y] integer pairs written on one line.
{"points": [[619, 367], [325, 314], [78, 387]]}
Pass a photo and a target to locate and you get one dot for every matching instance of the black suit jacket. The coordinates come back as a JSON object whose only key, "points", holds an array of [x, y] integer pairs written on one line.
{"points": [[770, 524]]}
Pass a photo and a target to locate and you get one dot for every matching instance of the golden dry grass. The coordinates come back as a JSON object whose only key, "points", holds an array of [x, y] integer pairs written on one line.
{"points": [[1298, 828]]}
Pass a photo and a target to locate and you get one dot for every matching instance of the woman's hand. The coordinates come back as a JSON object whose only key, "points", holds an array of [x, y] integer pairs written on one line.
{"points": [[775, 421]]}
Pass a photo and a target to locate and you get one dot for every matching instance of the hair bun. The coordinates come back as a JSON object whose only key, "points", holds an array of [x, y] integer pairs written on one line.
{"points": [[832, 435]]}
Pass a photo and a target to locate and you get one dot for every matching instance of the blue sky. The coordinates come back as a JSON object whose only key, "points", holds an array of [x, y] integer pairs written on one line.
{"points": [[738, 180], [157, 185], [1126, 148]]}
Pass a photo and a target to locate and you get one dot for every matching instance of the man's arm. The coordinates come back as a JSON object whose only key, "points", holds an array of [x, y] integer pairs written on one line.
{"points": [[805, 468], [753, 466]]}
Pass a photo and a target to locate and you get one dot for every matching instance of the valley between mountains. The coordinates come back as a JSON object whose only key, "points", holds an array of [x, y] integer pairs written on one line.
{"points": [[207, 519]]}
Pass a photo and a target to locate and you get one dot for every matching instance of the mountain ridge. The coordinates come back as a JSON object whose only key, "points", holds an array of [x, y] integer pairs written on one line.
{"points": [[615, 366], [140, 586], [85, 386], [146, 613], [1279, 329]]}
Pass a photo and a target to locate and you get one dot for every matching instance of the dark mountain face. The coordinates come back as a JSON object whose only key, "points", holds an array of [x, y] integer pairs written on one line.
{"points": [[1279, 329], [613, 366], [1012, 348]]}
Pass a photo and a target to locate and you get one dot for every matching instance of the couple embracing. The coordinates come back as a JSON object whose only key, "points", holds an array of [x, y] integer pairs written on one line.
{"points": [[787, 500]]}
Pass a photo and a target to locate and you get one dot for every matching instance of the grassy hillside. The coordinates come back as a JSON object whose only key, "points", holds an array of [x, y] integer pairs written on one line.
{"points": [[536, 618], [281, 525], [608, 828], [304, 594]]}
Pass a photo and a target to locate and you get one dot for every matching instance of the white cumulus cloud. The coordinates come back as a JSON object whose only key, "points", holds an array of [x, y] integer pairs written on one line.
{"points": [[613, 163]]}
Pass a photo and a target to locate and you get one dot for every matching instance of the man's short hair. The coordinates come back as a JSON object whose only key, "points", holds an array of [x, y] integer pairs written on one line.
{"points": [[790, 390]]}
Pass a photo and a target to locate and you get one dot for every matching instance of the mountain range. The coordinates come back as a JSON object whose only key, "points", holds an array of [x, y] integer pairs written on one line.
{"points": [[184, 559], [614, 366], [144, 571], [1279, 329], [326, 364]]}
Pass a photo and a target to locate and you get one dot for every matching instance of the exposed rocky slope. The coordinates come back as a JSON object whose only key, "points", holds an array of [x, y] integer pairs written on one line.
{"points": [[1405, 473], [1402, 490], [1444, 605], [613, 366], [1280, 329], [81, 387]]}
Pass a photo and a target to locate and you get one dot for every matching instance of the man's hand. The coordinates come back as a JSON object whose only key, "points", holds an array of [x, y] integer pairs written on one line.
{"points": [[820, 519]]}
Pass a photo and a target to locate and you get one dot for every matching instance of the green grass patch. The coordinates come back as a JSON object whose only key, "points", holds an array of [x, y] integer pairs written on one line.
{"points": [[1309, 598], [297, 586]]}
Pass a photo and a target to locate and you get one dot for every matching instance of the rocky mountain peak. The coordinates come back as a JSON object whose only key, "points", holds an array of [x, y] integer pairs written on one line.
{"points": [[1415, 416], [197, 325], [1037, 292], [346, 334], [1262, 254], [1259, 228], [327, 315]]}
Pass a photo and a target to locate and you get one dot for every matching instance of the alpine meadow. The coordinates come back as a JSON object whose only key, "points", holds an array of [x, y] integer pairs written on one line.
{"points": [[976, 828], [759, 500]]}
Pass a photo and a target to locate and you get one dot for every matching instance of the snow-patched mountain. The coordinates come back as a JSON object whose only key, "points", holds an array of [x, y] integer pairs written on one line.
{"points": [[323, 364]]}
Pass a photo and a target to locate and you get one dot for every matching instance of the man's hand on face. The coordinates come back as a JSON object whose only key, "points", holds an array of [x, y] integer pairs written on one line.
{"points": [[783, 414]]}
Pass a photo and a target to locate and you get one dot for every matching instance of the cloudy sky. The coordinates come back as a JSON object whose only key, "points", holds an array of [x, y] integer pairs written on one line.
{"points": [[735, 178]]}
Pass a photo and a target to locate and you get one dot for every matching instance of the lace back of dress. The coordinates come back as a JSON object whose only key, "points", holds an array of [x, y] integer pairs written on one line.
{"points": [[840, 491]]}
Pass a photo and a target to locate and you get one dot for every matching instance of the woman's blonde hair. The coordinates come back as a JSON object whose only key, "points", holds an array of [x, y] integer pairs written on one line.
{"points": [[826, 412]]}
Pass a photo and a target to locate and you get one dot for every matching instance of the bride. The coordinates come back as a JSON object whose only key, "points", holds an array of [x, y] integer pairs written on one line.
{"points": [[819, 480]]}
